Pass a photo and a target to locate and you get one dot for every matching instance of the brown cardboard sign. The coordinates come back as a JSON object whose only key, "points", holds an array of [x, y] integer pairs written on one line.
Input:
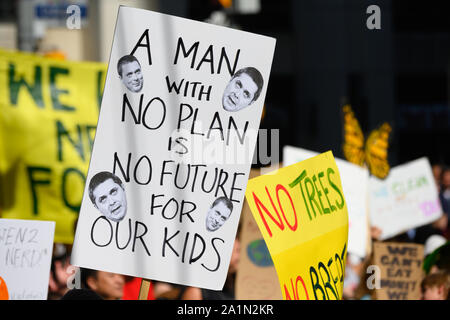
{"points": [[401, 270]]}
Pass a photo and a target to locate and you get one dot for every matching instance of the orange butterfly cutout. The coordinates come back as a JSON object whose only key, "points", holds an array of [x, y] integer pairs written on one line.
{"points": [[373, 152]]}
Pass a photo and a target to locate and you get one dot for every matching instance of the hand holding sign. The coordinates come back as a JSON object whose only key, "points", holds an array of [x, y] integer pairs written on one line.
{"points": [[406, 199], [160, 202], [25, 257], [401, 270]]}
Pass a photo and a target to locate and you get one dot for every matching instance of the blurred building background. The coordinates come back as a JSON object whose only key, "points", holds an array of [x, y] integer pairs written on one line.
{"points": [[325, 56]]}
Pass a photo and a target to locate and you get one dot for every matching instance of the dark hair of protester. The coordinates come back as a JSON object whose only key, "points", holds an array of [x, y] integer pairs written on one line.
{"points": [[123, 60], [256, 77], [100, 178], [225, 200], [81, 294]]}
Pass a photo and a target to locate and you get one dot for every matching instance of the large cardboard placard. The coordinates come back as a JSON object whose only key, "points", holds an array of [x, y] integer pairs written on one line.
{"points": [[406, 199], [256, 277], [181, 107], [26, 248], [355, 181], [302, 215], [48, 116], [401, 270]]}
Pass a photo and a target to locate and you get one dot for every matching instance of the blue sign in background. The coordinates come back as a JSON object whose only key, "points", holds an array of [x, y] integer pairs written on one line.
{"points": [[57, 11]]}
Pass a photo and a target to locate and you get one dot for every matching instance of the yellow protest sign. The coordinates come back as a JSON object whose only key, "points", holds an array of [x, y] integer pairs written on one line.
{"points": [[48, 115], [302, 215]]}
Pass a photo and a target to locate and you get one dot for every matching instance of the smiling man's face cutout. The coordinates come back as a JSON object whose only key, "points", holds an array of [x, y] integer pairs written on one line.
{"points": [[239, 93]]}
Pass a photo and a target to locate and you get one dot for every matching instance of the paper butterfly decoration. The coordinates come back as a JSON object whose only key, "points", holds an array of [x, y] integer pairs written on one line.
{"points": [[373, 152]]}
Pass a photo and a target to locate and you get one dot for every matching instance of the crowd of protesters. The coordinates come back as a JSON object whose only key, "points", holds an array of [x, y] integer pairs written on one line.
{"points": [[68, 282]]}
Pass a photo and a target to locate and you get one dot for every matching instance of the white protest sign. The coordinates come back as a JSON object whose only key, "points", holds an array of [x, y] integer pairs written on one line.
{"points": [[406, 199], [177, 128], [355, 184], [25, 256]]}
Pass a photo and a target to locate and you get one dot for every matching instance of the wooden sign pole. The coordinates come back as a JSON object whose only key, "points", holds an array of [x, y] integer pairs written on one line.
{"points": [[143, 291]]}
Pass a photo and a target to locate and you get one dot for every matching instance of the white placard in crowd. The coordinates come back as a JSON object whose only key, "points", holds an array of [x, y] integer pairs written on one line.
{"points": [[26, 248], [175, 139], [355, 184], [406, 199]]}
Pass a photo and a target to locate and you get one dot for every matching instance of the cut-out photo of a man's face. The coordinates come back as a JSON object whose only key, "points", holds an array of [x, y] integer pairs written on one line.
{"points": [[107, 193], [130, 73], [243, 89], [218, 213]]}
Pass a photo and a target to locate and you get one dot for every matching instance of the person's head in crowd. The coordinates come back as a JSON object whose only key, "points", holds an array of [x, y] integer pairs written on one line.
{"points": [[436, 286], [243, 89], [107, 193], [107, 285], [218, 213], [130, 73]]}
